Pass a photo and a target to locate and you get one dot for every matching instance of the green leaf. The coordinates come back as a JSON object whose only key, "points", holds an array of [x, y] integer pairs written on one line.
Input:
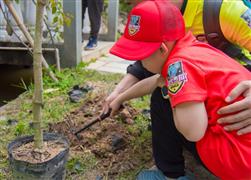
{"points": [[57, 29], [54, 9], [53, 4], [19, 128], [55, 19], [67, 21]]}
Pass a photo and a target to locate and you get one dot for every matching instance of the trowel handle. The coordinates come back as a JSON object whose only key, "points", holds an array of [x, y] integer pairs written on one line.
{"points": [[100, 118], [105, 115]]}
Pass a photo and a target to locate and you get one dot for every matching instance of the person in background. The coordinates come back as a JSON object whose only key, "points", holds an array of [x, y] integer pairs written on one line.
{"points": [[95, 8]]}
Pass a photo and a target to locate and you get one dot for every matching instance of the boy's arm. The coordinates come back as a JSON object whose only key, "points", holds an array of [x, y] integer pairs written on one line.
{"points": [[139, 89], [135, 73], [127, 81], [191, 120]]}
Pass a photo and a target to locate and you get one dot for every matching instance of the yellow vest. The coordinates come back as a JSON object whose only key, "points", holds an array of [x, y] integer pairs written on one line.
{"points": [[233, 26]]}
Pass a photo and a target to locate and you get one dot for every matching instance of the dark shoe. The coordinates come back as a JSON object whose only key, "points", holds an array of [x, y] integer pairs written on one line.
{"points": [[151, 175], [92, 44]]}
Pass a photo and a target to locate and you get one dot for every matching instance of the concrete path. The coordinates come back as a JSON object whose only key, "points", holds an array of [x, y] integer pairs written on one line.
{"points": [[110, 63], [102, 49], [105, 62]]}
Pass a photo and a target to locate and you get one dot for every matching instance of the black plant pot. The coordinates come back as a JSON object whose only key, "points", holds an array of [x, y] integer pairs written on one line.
{"points": [[53, 169]]}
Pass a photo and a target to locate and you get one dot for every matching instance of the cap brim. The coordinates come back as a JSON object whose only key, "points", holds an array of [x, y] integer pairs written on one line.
{"points": [[134, 50]]}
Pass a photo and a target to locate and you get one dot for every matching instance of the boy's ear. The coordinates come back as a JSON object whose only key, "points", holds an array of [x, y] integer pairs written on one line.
{"points": [[163, 49]]}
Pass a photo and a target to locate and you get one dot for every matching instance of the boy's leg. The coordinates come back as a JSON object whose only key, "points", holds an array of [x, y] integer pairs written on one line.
{"points": [[191, 147], [95, 8], [166, 140]]}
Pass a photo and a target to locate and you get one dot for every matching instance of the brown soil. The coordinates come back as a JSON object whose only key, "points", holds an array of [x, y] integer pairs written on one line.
{"points": [[109, 140], [87, 113], [27, 153]]}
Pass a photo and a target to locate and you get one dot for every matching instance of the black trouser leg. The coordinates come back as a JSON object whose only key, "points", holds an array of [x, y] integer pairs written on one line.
{"points": [[167, 141], [84, 6], [167, 147], [95, 8]]}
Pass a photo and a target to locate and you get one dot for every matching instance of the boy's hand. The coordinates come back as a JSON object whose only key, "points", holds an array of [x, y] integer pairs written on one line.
{"points": [[115, 105], [242, 120], [108, 101]]}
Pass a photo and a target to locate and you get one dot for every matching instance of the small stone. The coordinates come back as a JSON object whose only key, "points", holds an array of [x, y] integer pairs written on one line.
{"points": [[2, 118], [146, 113], [118, 142], [75, 96], [77, 93], [129, 121], [98, 177], [12, 122], [31, 124]]}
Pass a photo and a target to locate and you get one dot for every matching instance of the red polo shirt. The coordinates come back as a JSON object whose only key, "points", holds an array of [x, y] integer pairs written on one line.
{"points": [[196, 71]]}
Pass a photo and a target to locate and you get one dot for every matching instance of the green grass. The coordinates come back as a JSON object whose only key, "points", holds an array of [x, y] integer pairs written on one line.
{"points": [[56, 106], [79, 164]]}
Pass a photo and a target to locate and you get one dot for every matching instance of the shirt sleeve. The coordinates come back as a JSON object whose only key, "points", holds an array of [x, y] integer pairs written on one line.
{"points": [[186, 82], [136, 69]]}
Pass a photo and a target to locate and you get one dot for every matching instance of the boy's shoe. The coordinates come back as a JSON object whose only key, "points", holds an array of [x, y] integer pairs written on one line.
{"points": [[155, 174], [92, 44]]}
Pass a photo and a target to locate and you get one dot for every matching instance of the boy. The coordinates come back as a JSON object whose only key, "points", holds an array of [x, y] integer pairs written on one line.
{"points": [[194, 74], [236, 30]]}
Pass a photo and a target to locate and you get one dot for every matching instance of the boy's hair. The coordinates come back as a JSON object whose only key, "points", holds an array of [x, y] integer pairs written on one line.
{"points": [[149, 24]]}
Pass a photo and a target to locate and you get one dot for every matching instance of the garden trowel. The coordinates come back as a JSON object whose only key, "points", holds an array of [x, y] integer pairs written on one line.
{"points": [[97, 119]]}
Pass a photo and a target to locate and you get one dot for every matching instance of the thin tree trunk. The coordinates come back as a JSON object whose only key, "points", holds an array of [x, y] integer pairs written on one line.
{"points": [[37, 65], [27, 35]]}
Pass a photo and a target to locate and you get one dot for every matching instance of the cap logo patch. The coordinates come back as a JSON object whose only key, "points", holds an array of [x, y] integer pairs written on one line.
{"points": [[247, 17], [176, 77], [134, 26]]}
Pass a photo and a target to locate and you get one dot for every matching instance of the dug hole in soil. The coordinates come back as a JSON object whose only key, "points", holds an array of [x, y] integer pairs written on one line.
{"points": [[29, 164]]}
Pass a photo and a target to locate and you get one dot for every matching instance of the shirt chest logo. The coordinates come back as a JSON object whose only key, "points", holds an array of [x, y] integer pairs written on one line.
{"points": [[134, 26], [176, 77]]}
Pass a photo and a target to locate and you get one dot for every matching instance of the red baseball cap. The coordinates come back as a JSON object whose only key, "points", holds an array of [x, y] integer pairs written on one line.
{"points": [[149, 24]]}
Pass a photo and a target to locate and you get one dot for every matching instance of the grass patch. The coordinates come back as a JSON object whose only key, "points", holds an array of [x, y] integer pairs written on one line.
{"points": [[79, 164]]}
